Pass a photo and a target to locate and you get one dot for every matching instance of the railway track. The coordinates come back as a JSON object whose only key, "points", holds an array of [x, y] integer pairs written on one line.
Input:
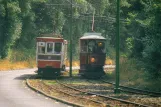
{"points": [[91, 97], [101, 99], [135, 90], [77, 94]]}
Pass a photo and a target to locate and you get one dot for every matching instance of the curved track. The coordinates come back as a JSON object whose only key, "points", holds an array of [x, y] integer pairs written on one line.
{"points": [[105, 100], [75, 94]]}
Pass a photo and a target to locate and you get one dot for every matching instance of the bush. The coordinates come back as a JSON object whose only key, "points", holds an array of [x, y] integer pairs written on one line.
{"points": [[22, 55]]}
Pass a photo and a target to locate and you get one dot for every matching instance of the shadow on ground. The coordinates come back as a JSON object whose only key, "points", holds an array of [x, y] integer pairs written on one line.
{"points": [[26, 76]]}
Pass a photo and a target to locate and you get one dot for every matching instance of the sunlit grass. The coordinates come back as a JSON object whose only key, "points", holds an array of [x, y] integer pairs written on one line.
{"points": [[19, 59], [109, 61], [6, 64]]}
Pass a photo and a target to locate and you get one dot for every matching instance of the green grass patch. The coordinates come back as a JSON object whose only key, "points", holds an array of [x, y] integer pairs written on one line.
{"points": [[132, 74], [50, 82]]}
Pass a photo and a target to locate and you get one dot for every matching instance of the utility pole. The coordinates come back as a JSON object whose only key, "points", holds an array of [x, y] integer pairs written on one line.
{"points": [[117, 90], [70, 72]]}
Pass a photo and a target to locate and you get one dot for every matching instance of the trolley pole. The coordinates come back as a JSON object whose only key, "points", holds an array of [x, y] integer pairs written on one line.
{"points": [[70, 73], [117, 90]]}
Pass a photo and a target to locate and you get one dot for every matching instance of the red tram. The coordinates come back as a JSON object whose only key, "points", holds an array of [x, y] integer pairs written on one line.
{"points": [[92, 55], [51, 55]]}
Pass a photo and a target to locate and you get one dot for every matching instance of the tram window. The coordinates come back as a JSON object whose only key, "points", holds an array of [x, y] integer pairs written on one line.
{"points": [[49, 47], [83, 46], [101, 47], [58, 47], [41, 49], [91, 46]]}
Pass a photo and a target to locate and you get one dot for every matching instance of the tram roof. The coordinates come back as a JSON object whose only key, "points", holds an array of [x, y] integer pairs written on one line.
{"points": [[92, 36], [48, 38]]}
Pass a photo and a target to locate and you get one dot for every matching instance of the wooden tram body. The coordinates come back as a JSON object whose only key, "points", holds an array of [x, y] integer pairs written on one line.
{"points": [[50, 56], [92, 55]]}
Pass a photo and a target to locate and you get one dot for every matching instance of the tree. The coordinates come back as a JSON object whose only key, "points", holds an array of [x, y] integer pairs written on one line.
{"points": [[144, 27], [11, 25]]}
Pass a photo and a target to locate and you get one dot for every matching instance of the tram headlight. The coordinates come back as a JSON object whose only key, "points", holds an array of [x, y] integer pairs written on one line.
{"points": [[93, 60], [100, 44]]}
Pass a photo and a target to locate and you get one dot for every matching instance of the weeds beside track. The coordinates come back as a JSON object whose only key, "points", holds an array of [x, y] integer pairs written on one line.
{"points": [[107, 100], [135, 90]]}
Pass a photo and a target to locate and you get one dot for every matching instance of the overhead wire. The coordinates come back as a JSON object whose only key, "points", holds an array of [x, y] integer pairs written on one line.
{"points": [[83, 17]]}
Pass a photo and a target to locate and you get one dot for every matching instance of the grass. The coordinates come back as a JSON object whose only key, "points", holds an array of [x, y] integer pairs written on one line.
{"points": [[18, 59], [133, 75], [50, 82], [25, 58], [6, 64]]}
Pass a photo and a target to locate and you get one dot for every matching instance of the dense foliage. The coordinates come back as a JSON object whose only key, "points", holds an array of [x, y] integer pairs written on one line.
{"points": [[21, 21], [145, 34]]}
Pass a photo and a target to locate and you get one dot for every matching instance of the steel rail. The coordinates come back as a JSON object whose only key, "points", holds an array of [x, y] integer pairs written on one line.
{"points": [[108, 97], [47, 95], [140, 91], [123, 90], [62, 91]]}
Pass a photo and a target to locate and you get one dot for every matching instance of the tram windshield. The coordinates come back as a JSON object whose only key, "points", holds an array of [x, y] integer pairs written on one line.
{"points": [[100, 48], [84, 47], [93, 46], [41, 47], [49, 48], [58, 47]]}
